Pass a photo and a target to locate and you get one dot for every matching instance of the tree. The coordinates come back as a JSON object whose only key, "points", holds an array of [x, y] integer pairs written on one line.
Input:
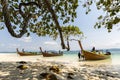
{"points": [[69, 31], [112, 10], [37, 16], [41, 16]]}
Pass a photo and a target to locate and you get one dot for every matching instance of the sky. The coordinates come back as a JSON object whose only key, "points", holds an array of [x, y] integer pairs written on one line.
{"points": [[100, 38]]}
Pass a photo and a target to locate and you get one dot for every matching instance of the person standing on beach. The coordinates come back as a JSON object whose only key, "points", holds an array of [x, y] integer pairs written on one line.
{"points": [[93, 49], [23, 50], [79, 55]]}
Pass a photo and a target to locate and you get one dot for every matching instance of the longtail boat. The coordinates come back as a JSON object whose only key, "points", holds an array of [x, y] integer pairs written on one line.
{"points": [[88, 55], [50, 54], [94, 55], [27, 53]]}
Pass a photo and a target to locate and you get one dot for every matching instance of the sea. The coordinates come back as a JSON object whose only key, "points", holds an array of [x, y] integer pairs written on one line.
{"points": [[68, 56]]}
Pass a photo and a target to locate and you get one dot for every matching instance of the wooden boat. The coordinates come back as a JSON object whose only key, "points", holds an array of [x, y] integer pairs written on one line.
{"points": [[27, 53], [50, 54], [93, 55]]}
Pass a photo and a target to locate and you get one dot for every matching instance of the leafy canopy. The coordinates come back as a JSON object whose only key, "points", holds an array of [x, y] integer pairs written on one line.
{"points": [[111, 9], [37, 16], [41, 16], [69, 31]]}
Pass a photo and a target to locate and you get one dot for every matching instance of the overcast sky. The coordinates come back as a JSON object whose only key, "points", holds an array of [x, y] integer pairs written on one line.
{"points": [[99, 38]]}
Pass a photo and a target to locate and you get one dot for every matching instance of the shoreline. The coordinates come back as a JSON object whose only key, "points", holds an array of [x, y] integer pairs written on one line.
{"points": [[15, 67], [64, 71]]}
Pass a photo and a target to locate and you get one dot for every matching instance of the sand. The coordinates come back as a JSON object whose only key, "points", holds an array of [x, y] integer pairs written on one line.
{"points": [[64, 71], [38, 68]]}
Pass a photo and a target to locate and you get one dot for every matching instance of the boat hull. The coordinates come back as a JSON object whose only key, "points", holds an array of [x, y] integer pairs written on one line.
{"points": [[27, 54], [94, 56], [51, 54]]}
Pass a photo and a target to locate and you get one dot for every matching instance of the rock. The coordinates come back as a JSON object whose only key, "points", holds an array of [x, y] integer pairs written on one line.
{"points": [[51, 77], [44, 75], [22, 67], [55, 69], [69, 77], [48, 76]]}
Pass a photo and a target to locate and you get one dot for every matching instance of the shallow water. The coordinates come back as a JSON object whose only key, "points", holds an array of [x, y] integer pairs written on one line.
{"points": [[71, 56]]}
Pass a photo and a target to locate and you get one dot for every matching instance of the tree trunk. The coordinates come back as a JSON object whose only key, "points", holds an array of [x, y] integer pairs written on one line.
{"points": [[56, 22], [79, 42], [68, 45]]}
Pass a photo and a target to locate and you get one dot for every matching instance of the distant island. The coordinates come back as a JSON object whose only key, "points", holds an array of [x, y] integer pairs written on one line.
{"points": [[114, 49]]}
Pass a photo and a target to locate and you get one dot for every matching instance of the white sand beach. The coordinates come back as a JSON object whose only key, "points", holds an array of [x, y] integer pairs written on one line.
{"points": [[38, 68], [62, 71]]}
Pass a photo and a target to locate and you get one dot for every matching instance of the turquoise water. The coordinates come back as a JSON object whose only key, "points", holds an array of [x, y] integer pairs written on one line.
{"points": [[69, 56], [115, 57], [72, 56]]}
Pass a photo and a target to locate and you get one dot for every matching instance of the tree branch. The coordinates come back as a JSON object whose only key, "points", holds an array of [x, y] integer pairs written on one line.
{"points": [[26, 18], [7, 21], [27, 4], [56, 22]]}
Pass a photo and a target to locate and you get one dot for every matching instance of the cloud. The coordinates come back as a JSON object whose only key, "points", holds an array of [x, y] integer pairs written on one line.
{"points": [[26, 39], [13, 45], [50, 43], [116, 44]]}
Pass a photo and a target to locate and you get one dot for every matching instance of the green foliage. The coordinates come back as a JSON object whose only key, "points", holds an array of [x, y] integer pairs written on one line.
{"points": [[112, 10], [68, 31], [41, 21], [71, 31]]}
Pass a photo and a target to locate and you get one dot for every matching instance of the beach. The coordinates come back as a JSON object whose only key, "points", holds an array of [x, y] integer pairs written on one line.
{"points": [[49, 70], [80, 40], [15, 67]]}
